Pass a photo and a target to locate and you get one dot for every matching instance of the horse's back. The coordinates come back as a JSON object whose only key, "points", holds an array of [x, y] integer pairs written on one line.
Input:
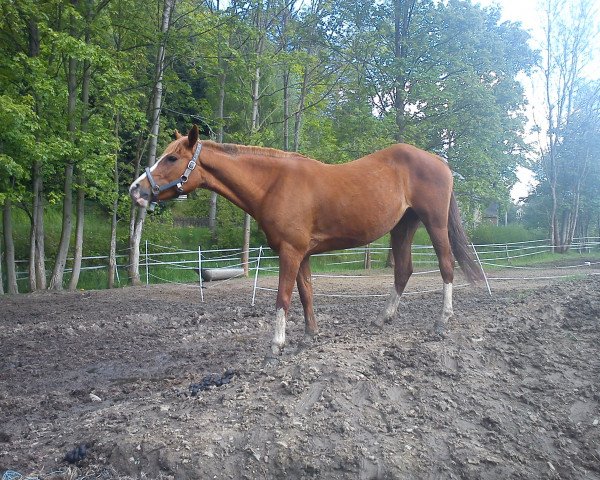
{"points": [[427, 177]]}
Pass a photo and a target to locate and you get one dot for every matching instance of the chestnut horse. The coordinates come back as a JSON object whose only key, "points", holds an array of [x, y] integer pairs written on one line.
{"points": [[306, 207]]}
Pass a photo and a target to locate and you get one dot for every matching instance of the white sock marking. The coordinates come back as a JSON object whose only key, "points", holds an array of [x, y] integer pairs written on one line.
{"points": [[392, 304], [279, 336], [447, 311]]}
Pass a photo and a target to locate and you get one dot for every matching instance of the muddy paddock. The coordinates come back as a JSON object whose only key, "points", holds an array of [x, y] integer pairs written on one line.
{"points": [[151, 383]]}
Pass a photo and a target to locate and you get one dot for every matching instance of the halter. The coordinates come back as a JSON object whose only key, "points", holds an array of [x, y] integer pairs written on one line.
{"points": [[156, 189]]}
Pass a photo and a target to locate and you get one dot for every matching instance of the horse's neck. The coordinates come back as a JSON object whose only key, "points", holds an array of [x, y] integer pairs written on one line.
{"points": [[242, 178]]}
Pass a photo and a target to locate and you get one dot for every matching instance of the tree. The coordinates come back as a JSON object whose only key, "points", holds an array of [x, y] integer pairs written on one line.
{"points": [[570, 32], [16, 119], [577, 156], [138, 215]]}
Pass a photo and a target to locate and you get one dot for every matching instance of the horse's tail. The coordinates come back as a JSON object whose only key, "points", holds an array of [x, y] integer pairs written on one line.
{"points": [[460, 244]]}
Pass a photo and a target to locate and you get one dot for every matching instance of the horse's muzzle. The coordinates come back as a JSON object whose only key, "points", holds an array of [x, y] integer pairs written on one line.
{"points": [[139, 196]]}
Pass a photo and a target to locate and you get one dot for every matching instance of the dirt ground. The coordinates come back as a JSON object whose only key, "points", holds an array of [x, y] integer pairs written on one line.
{"points": [[103, 378]]}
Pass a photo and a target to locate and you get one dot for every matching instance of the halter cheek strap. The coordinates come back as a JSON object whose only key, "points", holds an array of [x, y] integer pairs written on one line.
{"points": [[156, 189]]}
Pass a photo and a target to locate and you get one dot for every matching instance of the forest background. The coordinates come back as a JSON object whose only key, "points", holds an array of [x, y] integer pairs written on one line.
{"points": [[91, 90]]}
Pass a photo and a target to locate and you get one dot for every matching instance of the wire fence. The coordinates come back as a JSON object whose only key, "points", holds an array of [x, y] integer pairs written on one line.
{"points": [[165, 264]]}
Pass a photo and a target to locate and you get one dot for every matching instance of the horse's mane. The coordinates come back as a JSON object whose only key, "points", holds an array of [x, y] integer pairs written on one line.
{"points": [[234, 149]]}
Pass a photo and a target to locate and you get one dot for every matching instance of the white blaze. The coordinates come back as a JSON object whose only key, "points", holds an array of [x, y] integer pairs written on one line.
{"points": [[143, 175]]}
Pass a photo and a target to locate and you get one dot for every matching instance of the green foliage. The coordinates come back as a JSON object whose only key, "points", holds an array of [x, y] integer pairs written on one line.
{"points": [[349, 93], [488, 234]]}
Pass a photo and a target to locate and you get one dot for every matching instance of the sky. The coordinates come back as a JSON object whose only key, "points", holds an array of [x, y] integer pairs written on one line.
{"points": [[530, 14]]}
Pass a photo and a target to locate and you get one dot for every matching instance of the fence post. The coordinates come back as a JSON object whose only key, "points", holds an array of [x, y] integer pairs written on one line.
{"points": [[507, 255], [147, 266], [367, 257], [200, 272], [256, 274]]}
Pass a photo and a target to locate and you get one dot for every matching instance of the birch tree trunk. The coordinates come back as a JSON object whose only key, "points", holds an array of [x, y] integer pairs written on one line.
{"points": [[80, 208], [402, 17], [37, 261], [136, 231], [78, 247], [56, 281], [212, 214], [254, 127], [112, 254], [299, 112]]}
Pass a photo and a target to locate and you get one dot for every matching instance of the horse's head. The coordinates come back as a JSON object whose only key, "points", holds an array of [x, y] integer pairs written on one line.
{"points": [[168, 177]]}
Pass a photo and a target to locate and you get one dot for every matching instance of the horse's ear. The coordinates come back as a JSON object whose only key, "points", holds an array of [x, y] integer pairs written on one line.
{"points": [[177, 135], [193, 136]]}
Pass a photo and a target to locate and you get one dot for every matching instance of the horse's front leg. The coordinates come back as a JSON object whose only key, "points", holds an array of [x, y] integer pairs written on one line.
{"points": [[289, 262], [305, 289]]}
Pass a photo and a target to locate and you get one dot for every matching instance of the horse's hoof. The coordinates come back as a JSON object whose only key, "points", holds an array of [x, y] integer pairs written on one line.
{"points": [[439, 329], [307, 341], [270, 360], [379, 322]]}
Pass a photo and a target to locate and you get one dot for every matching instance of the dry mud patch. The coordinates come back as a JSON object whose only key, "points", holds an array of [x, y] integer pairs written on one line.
{"points": [[513, 391]]}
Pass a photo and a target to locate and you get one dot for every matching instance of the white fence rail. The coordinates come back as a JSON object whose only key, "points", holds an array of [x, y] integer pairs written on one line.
{"points": [[158, 263]]}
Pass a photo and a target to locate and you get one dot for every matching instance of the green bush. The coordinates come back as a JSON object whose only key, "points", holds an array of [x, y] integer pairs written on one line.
{"points": [[487, 233]]}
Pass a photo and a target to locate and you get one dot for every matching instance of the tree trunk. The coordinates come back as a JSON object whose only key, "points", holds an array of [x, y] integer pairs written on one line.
{"points": [[212, 215], [286, 109], [254, 127], [564, 226], [112, 254], [37, 261], [56, 282], [79, 220], [402, 17], [9, 248], [134, 213], [1, 279], [136, 231], [80, 208], [40, 249], [300, 110], [283, 46], [134, 252]]}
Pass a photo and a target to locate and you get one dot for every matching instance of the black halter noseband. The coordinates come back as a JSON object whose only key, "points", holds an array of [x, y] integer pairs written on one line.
{"points": [[156, 189]]}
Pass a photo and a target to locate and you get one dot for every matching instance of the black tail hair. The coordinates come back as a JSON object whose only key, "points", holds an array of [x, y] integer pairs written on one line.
{"points": [[460, 244]]}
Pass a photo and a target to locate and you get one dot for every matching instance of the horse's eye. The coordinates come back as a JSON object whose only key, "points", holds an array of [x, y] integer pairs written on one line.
{"points": [[171, 158]]}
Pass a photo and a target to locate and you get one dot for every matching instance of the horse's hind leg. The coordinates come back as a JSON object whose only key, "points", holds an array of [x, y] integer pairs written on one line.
{"points": [[402, 236], [305, 290], [438, 232]]}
